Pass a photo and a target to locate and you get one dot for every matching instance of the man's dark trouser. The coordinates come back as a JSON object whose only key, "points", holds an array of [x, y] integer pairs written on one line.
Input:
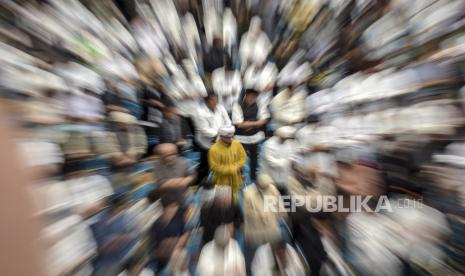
{"points": [[252, 152], [203, 168]]}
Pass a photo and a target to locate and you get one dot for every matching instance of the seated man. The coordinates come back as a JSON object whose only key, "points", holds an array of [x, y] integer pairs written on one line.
{"points": [[222, 256], [250, 117], [172, 172], [219, 211], [277, 153], [227, 158], [114, 235], [261, 225], [277, 258], [168, 234]]}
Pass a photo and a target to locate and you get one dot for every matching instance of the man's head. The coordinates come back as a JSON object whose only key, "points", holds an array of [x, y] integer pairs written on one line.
{"points": [[167, 152], [222, 236], [279, 250], [228, 63], [227, 133], [217, 42], [211, 100], [251, 96], [135, 264], [255, 25], [285, 133], [264, 181]]}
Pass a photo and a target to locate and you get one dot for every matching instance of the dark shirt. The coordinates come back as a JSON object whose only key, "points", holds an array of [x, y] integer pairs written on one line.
{"points": [[170, 131], [161, 230], [213, 59], [154, 114], [108, 227], [211, 217], [308, 238]]}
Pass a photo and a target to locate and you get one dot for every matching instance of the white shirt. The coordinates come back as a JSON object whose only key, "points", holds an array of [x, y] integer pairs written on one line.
{"points": [[208, 123], [260, 78], [88, 190], [238, 117], [144, 272], [276, 159], [184, 94], [216, 261], [254, 49], [191, 34], [229, 28], [150, 38], [264, 262], [227, 85], [367, 247], [288, 110], [212, 22]]}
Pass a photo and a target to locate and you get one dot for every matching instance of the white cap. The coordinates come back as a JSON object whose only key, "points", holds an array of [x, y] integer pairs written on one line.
{"points": [[227, 131]]}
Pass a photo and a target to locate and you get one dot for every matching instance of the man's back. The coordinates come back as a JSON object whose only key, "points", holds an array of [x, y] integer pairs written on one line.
{"points": [[163, 171]]}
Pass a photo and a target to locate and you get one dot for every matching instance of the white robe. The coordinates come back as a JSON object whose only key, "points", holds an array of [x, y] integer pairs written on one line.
{"points": [[216, 261], [227, 85], [276, 159], [264, 262], [288, 110], [254, 49]]}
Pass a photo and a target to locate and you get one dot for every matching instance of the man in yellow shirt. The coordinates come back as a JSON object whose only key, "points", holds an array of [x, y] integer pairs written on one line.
{"points": [[226, 158]]}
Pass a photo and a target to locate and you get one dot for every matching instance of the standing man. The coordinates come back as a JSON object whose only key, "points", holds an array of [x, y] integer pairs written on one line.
{"points": [[227, 158], [277, 153], [227, 84], [288, 107], [250, 117], [208, 120]]}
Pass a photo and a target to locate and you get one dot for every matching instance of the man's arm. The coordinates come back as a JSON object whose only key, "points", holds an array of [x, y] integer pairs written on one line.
{"points": [[242, 157], [271, 156], [225, 115], [203, 127]]}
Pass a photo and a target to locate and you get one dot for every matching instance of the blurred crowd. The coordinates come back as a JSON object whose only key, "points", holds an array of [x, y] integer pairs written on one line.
{"points": [[152, 131]]}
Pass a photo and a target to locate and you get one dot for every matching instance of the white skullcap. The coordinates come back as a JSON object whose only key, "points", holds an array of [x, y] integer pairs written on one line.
{"points": [[285, 132], [223, 191], [227, 131], [121, 117]]}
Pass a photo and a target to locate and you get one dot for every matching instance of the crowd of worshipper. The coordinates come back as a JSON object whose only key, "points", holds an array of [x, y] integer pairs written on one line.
{"points": [[153, 131]]}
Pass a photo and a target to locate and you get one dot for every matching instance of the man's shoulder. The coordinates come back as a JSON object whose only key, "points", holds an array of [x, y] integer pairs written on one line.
{"points": [[236, 143]]}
